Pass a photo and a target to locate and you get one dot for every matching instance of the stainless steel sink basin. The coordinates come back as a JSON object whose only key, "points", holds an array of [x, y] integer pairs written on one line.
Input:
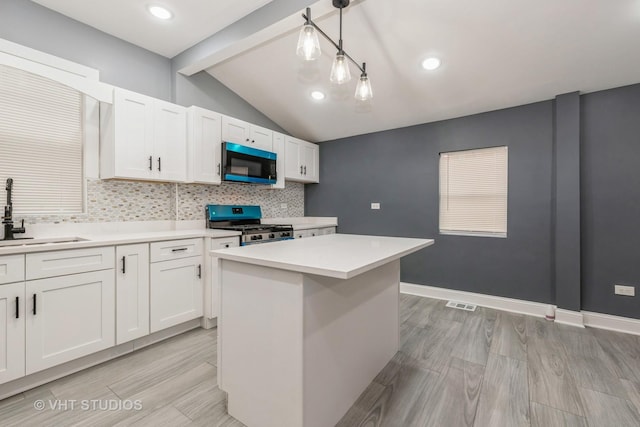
{"points": [[42, 241]]}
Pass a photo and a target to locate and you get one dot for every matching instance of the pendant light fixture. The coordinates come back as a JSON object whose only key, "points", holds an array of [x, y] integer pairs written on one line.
{"points": [[309, 49]]}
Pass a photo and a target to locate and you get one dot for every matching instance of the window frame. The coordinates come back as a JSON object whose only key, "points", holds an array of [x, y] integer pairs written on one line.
{"points": [[472, 233]]}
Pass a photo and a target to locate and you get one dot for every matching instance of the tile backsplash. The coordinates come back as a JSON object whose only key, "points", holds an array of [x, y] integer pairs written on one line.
{"points": [[118, 201]]}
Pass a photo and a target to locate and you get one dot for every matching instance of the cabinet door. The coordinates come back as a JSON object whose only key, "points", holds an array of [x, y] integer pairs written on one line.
{"points": [[212, 289], [170, 142], [69, 317], [132, 292], [204, 146], [12, 325], [310, 162], [261, 138], [133, 135], [176, 292], [293, 168], [234, 130]]}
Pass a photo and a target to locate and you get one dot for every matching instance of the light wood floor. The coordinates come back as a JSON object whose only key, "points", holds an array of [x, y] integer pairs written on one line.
{"points": [[455, 368]]}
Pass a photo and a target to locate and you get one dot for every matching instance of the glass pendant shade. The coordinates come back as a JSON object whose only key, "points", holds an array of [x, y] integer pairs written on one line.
{"points": [[363, 89], [308, 43], [340, 70]]}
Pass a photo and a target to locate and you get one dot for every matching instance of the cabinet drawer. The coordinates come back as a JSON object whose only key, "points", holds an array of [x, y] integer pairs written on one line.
{"points": [[60, 263], [227, 242], [11, 268], [175, 249]]}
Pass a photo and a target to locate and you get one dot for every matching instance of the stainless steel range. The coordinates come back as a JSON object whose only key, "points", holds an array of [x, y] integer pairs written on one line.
{"points": [[246, 219]]}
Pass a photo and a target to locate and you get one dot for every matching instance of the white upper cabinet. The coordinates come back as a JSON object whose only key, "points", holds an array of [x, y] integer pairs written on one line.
{"points": [[142, 138], [204, 146], [278, 148], [301, 160], [241, 132]]}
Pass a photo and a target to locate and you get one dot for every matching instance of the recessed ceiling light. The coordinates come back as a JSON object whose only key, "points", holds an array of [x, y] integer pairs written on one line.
{"points": [[160, 12], [317, 95], [430, 64]]}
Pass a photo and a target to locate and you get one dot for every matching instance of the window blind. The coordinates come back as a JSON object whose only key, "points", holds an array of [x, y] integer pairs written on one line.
{"points": [[473, 192], [40, 143]]}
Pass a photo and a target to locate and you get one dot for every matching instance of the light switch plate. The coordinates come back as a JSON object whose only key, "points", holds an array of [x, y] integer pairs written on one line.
{"points": [[375, 205], [629, 291]]}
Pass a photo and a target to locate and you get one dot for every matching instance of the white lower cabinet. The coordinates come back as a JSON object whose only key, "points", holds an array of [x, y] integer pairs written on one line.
{"points": [[69, 317], [132, 292], [212, 289], [12, 326], [176, 292]]}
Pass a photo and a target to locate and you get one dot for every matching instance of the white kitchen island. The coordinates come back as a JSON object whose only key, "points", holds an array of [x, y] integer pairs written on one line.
{"points": [[305, 325]]}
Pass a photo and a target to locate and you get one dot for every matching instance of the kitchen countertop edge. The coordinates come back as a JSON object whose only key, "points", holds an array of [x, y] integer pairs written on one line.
{"points": [[98, 240]]}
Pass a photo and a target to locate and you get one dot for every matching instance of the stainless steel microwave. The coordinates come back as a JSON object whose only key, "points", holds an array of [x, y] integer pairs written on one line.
{"points": [[247, 164]]}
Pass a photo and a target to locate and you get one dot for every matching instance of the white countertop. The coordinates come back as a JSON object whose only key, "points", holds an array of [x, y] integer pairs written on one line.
{"points": [[94, 240], [342, 256]]}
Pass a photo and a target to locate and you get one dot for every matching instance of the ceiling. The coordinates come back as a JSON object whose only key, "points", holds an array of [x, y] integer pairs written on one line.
{"points": [[193, 21], [495, 54]]}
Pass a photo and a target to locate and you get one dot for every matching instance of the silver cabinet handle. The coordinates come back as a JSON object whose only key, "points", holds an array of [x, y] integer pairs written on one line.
{"points": [[179, 250], [305, 170], [301, 169], [159, 164], [218, 169], [150, 163]]}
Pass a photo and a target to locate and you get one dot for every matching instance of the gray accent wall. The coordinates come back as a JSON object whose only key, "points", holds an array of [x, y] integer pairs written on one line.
{"points": [[610, 194], [574, 199], [399, 169]]}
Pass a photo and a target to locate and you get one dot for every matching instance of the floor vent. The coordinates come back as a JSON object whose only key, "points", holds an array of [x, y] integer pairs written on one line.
{"points": [[461, 306]]}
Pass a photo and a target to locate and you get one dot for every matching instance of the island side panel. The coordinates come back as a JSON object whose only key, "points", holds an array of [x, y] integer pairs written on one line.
{"points": [[351, 331], [260, 344]]}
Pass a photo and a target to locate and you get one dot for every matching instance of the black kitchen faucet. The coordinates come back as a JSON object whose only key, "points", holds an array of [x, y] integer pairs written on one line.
{"points": [[7, 219]]}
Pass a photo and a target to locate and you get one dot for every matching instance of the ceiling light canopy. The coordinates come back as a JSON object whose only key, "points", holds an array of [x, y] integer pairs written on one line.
{"points": [[309, 49], [431, 63], [317, 95], [160, 12]]}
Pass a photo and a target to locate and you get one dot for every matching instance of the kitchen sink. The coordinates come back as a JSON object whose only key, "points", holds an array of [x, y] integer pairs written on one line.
{"points": [[42, 241]]}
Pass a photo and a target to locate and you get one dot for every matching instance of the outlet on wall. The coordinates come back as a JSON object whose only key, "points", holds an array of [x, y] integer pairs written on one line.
{"points": [[375, 205], [283, 206], [629, 291]]}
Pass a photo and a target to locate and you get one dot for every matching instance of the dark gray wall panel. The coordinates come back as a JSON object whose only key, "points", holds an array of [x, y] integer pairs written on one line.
{"points": [[611, 199], [399, 168], [567, 201], [120, 63]]}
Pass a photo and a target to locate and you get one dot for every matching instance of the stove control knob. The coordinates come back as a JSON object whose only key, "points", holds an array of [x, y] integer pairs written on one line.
{"points": [[259, 236], [286, 234], [254, 237], [272, 236]]}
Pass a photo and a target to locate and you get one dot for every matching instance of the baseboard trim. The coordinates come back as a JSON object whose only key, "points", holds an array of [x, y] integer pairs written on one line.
{"points": [[578, 319], [569, 317], [512, 305], [612, 323]]}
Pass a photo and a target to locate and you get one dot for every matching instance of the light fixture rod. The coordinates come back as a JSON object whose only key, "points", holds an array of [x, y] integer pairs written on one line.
{"points": [[323, 34]]}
